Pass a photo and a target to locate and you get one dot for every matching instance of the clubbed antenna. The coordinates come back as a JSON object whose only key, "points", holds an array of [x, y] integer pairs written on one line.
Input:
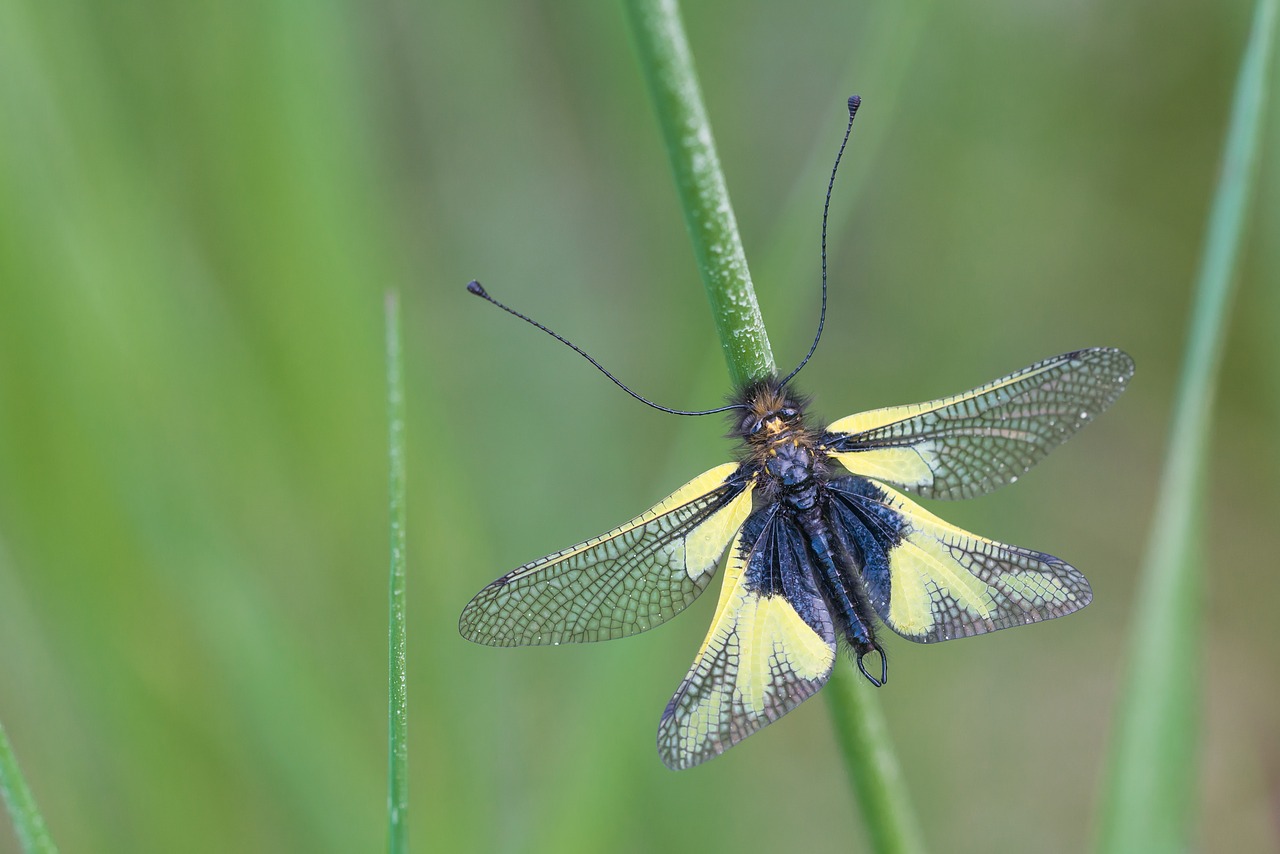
{"points": [[854, 103], [478, 289]]}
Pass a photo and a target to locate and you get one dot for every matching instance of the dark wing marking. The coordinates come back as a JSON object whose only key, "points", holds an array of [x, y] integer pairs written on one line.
{"points": [[974, 442], [771, 646], [930, 581], [623, 582]]}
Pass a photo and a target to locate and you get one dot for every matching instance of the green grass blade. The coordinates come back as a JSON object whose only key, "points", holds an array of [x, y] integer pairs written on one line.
{"points": [[667, 61], [397, 681], [1150, 792], [27, 821]]}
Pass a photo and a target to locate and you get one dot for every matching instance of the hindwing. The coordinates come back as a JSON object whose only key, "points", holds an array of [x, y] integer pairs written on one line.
{"points": [[771, 645], [931, 581], [623, 582]]}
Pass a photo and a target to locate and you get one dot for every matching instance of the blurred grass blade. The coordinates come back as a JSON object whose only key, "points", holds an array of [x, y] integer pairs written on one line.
{"points": [[667, 62], [27, 821], [1150, 791], [397, 688]]}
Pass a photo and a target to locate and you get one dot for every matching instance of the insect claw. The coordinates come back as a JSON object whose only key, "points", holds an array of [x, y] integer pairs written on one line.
{"points": [[884, 665]]}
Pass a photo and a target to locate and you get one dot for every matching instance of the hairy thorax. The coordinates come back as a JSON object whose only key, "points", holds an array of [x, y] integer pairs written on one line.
{"points": [[786, 451]]}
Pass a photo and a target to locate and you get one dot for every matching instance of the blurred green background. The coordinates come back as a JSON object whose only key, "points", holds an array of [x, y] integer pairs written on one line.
{"points": [[201, 206]]}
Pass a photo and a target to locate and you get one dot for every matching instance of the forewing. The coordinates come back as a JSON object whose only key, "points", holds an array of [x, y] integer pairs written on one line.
{"points": [[930, 581], [771, 646], [974, 442], [623, 582]]}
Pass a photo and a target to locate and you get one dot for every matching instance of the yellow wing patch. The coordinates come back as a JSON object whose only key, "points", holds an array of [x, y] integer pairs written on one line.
{"points": [[922, 570], [759, 660], [910, 467], [945, 582], [773, 638], [705, 544], [623, 582]]}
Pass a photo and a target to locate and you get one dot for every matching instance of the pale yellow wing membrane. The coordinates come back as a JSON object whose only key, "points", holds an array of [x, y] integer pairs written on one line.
{"points": [[623, 582], [974, 442], [931, 581], [760, 659]]}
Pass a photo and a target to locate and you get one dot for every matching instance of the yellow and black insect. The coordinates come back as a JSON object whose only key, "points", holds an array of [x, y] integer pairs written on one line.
{"points": [[821, 543]]}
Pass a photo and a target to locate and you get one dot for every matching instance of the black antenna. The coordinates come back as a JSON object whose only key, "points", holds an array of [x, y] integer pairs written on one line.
{"points": [[478, 289], [854, 102]]}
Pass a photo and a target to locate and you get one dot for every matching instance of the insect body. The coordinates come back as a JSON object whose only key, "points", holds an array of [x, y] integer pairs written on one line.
{"points": [[822, 545]]}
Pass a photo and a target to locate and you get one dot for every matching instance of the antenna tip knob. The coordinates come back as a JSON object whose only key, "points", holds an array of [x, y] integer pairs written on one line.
{"points": [[854, 102], [476, 288]]}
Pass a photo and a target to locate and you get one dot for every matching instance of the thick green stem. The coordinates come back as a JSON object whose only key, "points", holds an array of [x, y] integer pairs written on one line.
{"points": [[1149, 802], [872, 765], [397, 678], [33, 836], [668, 68]]}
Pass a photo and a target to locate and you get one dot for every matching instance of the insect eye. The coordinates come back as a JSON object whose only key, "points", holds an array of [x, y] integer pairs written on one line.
{"points": [[756, 427]]}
